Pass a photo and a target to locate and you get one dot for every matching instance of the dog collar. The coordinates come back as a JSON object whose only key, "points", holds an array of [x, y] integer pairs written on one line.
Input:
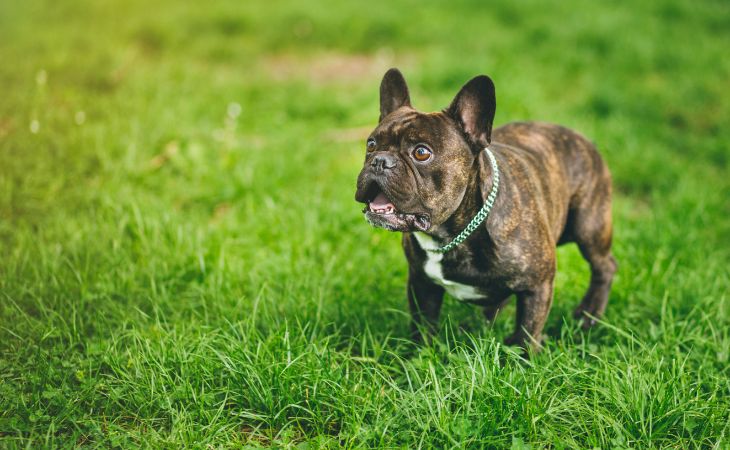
{"points": [[483, 212]]}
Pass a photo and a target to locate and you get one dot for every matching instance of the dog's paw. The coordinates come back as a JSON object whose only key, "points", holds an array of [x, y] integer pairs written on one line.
{"points": [[525, 341], [586, 317]]}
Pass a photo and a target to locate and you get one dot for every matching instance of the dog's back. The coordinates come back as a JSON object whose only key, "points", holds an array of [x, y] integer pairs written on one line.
{"points": [[562, 166]]}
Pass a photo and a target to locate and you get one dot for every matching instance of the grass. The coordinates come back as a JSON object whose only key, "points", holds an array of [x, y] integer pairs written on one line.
{"points": [[182, 262]]}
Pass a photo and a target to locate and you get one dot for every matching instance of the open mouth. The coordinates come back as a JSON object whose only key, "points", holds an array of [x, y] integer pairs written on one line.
{"points": [[381, 204], [381, 212]]}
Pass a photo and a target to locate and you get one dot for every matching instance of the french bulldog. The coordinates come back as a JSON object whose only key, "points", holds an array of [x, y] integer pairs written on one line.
{"points": [[428, 175]]}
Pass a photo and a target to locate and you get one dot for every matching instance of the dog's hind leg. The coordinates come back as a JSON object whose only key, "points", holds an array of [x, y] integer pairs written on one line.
{"points": [[593, 233]]}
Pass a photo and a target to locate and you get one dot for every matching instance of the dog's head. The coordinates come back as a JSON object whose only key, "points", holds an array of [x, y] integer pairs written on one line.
{"points": [[418, 165]]}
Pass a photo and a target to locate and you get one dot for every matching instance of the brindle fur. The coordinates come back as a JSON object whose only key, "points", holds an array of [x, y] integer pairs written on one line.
{"points": [[554, 189]]}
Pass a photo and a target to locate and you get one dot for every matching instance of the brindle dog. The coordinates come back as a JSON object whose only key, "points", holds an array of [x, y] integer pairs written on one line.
{"points": [[427, 175]]}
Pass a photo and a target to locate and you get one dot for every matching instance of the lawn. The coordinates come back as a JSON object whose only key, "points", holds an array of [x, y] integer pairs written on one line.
{"points": [[182, 262]]}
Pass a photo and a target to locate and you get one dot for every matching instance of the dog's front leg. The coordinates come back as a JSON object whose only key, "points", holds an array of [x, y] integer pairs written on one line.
{"points": [[533, 307], [424, 301]]}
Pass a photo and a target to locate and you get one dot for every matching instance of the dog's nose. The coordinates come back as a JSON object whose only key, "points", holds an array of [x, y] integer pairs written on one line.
{"points": [[382, 162]]}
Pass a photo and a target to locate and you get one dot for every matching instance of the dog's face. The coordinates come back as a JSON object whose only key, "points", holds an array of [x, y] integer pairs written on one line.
{"points": [[418, 165]]}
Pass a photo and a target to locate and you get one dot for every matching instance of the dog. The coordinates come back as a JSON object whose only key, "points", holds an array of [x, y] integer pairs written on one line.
{"points": [[435, 176]]}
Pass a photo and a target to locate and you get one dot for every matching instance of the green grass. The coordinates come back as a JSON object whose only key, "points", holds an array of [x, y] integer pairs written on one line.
{"points": [[182, 262]]}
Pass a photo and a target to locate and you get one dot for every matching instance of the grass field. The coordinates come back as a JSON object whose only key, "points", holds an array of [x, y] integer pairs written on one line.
{"points": [[182, 262]]}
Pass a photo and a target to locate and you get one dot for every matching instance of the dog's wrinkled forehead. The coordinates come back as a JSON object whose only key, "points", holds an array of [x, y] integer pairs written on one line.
{"points": [[414, 126]]}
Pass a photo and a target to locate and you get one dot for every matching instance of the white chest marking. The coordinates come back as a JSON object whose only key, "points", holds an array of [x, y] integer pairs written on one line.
{"points": [[433, 269]]}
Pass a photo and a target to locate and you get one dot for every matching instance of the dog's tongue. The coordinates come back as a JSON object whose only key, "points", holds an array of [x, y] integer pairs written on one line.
{"points": [[382, 204]]}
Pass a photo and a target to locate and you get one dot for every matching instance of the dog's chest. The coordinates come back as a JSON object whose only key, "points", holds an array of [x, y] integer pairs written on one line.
{"points": [[433, 266]]}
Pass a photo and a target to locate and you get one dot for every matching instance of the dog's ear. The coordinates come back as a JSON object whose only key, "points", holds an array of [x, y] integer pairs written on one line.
{"points": [[473, 108], [393, 92]]}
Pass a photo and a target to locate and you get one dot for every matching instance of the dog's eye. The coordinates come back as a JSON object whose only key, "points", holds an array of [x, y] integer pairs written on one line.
{"points": [[422, 153], [371, 144]]}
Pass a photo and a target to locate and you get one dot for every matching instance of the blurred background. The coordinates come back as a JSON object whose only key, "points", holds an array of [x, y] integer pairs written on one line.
{"points": [[173, 169]]}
